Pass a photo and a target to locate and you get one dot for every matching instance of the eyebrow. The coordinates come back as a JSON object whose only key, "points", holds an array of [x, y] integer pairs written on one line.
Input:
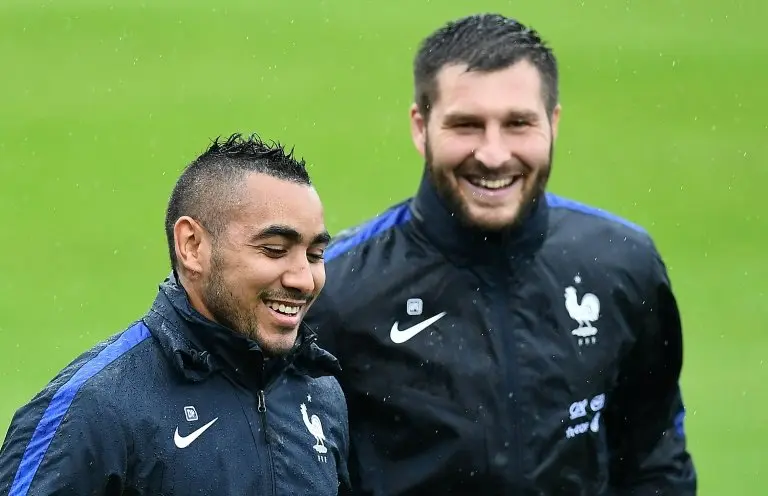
{"points": [[512, 114], [290, 234]]}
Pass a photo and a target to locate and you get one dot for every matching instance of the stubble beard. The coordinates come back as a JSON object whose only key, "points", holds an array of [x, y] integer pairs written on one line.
{"points": [[222, 303]]}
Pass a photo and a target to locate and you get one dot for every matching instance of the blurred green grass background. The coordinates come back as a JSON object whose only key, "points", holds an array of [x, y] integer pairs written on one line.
{"points": [[102, 104]]}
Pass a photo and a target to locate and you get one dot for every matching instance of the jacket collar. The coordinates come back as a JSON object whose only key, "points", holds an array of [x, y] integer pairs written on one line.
{"points": [[198, 346], [467, 244]]}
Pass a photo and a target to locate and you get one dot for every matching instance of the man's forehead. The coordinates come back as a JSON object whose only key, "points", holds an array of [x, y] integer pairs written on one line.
{"points": [[269, 201], [519, 84], [460, 73], [276, 193], [287, 227]]}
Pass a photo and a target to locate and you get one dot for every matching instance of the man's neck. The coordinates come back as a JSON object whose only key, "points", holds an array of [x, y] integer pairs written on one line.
{"points": [[190, 287], [442, 226]]}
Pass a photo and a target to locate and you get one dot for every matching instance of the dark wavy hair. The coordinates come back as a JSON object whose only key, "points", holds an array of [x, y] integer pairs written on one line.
{"points": [[486, 43]]}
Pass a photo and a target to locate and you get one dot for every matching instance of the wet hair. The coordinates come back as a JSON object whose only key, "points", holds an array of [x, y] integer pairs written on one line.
{"points": [[485, 43], [208, 187]]}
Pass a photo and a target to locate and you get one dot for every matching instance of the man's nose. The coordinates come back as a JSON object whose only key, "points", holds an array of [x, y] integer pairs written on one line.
{"points": [[492, 152], [299, 276]]}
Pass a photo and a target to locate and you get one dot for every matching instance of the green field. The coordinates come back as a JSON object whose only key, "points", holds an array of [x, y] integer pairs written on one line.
{"points": [[103, 102]]}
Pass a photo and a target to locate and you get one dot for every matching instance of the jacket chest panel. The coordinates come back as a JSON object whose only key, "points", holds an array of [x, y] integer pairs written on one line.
{"points": [[416, 341], [304, 439], [461, 340], [204, 429], [215, 441]]}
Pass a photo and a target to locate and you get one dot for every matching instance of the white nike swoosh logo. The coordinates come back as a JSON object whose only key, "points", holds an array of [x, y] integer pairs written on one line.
{"points": [[184, 441], [398, 337]]}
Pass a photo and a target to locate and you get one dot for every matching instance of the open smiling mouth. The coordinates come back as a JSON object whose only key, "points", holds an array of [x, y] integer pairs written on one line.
{"points": [[494, 183], [285, 314], [284, 308], [498, 185]]}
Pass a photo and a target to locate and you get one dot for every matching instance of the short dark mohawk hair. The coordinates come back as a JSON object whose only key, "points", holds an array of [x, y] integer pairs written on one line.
{"points": [[207, 186]]}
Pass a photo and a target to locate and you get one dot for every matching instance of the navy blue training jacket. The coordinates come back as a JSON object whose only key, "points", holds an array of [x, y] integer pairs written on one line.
{"points": [[541, 361], [179, 405]]}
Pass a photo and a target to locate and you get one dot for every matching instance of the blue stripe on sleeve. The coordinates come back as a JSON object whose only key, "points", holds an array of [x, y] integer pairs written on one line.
{"points": [[391, 218], [62, 399], [680, 423], [556, 201]]}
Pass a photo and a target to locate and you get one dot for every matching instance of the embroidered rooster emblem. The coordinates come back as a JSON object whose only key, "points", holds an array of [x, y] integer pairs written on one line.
{"points": [[315, 428], [584, 312]]}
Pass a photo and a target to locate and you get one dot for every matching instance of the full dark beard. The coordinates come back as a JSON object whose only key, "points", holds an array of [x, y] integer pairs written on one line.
{"points": [[455, 203]]}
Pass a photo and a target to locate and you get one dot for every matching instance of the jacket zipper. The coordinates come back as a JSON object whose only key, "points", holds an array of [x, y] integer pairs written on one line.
{"points": [[516, 389], [514, 406], [506, 339], [262, 409]]}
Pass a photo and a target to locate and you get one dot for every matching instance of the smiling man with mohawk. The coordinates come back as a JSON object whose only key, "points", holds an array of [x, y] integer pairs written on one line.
{"points": [[219, 388]]}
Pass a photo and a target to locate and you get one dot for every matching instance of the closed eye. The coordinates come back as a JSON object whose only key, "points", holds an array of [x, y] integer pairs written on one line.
{"points": [[274, 252], [315, 257]]}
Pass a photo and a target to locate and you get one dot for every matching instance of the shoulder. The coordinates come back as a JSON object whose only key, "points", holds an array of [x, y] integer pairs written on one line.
{"points": [[80, 402], [581, 222], [120, 361], [603, 238], [582, 216], [354, 256], [353, 240], [96, 376], [98, 364]]}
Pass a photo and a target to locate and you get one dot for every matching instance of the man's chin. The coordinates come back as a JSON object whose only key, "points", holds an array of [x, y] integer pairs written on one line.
{"points": [[491, 219], [491, 223], [277, 346]]}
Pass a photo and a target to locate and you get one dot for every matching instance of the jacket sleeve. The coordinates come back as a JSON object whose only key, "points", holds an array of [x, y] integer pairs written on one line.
{"points": [[63, 442], [645, 418]]}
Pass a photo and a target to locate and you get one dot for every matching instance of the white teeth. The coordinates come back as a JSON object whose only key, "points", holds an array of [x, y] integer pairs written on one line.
{"points": [[283, 308], [493, 184]]}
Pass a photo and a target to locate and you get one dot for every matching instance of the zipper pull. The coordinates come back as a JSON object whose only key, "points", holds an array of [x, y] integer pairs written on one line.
{"points": [[262, 408], [262, 402]]}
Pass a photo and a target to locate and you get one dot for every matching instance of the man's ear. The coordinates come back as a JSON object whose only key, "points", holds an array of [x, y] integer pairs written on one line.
{"points": [[192, 245], [555, 120], [418, 129]]}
